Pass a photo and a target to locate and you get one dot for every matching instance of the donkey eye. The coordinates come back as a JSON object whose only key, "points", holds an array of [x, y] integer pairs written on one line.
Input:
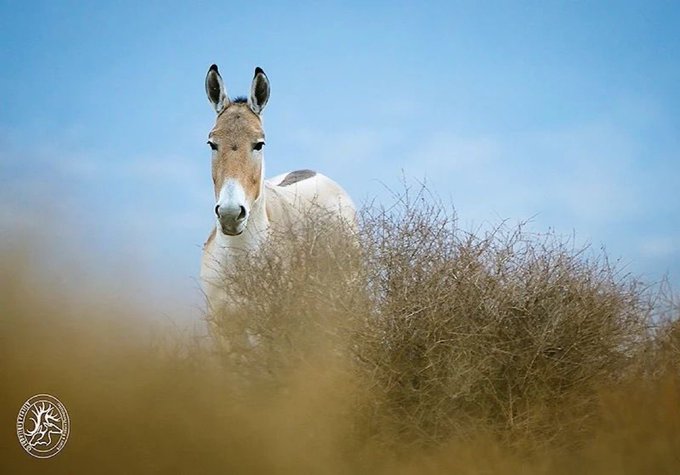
{"points": [[258, 146], [213, 145]]}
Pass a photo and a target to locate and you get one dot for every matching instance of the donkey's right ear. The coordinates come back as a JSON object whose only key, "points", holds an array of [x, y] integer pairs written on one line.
{"points": [[214, 88]]}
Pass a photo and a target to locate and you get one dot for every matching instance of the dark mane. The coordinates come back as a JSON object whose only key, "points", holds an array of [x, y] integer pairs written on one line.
{"points": [[240, 100]]}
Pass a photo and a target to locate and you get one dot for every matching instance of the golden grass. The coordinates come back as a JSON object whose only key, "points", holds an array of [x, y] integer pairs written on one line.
{"points": [[423, 350]]}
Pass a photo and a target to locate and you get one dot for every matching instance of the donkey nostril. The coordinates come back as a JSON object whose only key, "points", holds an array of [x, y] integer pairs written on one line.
{"points": [[233, 214]]}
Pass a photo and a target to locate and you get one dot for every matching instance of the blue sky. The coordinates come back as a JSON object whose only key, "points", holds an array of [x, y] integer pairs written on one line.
{"points": [[565, 113]]}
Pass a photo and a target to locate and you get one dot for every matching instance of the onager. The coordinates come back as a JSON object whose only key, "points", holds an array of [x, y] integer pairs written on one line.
{"points": [[247, 206]]}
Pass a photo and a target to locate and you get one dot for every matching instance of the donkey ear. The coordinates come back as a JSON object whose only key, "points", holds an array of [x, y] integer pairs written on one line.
{"points": [[214, 88], [259, 91]]}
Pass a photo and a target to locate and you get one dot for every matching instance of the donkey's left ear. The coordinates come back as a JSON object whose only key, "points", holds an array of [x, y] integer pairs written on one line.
{"points": [[259, 91]]}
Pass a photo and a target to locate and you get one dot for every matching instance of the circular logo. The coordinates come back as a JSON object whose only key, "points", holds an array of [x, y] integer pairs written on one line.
{"points": [[43, 426]]}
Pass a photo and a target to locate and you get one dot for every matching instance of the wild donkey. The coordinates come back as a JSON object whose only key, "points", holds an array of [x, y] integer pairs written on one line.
{"points": [[247, 205]]}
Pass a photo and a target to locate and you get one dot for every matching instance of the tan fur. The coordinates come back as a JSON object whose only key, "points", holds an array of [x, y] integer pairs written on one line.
{"points": [[236, 130]]}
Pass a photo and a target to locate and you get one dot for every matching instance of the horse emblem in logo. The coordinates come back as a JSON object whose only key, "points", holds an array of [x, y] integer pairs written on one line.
{"points": [[43, 426]]}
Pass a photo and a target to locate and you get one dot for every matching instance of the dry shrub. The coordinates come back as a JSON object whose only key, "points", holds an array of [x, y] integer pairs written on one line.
{"points": [[298, 300], [663, 351], [409, 347], [508, 330]]}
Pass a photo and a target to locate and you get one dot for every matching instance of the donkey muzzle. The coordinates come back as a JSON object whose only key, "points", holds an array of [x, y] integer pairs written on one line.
{"points": [[232, 219]]}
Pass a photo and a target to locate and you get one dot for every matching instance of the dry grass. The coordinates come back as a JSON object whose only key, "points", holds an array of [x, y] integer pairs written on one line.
{"points": [[424, 349]]}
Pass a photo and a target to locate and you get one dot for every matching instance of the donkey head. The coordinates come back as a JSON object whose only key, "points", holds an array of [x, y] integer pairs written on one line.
{"points": [[237, 142]]}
